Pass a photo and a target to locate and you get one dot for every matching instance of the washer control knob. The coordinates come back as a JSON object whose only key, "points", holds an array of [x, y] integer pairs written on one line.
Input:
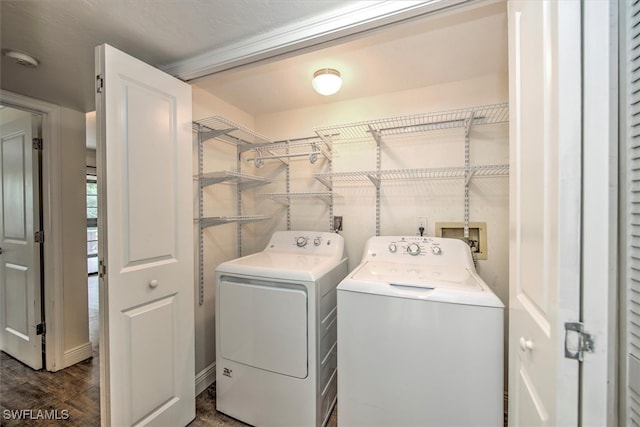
{"points": [[436, 250], [413, 249], [301, 241], [317, 241], [393, 248]]}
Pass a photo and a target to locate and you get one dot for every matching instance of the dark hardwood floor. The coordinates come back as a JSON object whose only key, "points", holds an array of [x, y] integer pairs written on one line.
{"points": [[72, 395]]}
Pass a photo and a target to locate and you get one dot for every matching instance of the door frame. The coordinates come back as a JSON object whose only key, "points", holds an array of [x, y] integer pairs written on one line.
{"points": [[52, 222], [599, 305]]}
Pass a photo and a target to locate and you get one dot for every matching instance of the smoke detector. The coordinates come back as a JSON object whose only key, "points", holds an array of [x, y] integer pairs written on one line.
{"points": [[21, 58]]}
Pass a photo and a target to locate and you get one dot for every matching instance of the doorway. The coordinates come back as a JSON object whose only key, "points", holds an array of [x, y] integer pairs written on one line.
{"points": [[21, 237], [92, 260], [92, 222], [74, 391]]}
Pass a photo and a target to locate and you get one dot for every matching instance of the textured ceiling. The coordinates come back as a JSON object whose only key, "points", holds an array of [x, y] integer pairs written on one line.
{"points": [[450, 46], [443, 47], [62, 34]]}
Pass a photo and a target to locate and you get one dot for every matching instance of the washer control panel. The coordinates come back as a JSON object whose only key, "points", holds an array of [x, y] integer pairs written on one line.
{"points": [[408, 246], [418, 250]]}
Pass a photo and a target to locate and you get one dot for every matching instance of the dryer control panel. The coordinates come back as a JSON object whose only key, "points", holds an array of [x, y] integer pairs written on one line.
{"points": [[306, 242]]}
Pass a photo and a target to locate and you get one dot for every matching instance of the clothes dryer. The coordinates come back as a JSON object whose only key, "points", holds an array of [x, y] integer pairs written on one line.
{"points": [[420, 338], [276, 330]]}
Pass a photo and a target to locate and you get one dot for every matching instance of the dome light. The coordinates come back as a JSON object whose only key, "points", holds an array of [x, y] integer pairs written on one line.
{"points": [[327, 81]]}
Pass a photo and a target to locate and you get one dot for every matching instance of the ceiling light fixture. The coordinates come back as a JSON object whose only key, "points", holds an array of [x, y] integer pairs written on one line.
{"points": [[21, 58], [327, 81]]}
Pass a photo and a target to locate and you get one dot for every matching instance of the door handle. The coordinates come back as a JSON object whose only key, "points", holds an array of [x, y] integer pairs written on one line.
{"points": [[153, 284], [525, 344]]}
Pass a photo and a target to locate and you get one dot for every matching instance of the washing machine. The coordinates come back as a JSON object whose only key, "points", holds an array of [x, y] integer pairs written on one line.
{"points": [[420, 338], [276, 358]]}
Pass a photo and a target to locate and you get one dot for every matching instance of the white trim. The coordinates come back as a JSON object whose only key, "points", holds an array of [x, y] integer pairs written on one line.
{"points": [[78, 354], [51, 211], [205, 378], [292, 39], [600, 211]]}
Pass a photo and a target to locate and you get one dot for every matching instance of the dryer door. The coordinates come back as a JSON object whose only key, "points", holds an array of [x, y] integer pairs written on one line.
{"points": [[264, 326]]}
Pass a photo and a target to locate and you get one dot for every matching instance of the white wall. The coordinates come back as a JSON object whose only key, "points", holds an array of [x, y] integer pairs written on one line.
{"points": [[76, 344], [401, 203], [74, 235], [219, 243]]}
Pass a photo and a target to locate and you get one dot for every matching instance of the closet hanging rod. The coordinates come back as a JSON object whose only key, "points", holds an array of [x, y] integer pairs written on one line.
{"points": [[283, 156], [302, 139], [289, 143]]}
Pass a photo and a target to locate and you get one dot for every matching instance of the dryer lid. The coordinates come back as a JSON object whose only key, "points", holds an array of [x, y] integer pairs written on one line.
{"points": [[279, 265]]}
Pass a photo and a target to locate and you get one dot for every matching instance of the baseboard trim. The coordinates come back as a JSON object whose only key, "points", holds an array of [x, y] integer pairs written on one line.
{"points": [[205, 378], [77, 354]]}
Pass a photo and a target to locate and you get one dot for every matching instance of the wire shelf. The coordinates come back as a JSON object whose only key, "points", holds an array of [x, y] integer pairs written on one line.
{"points": [[285, 198], [412, 174], [226, 130], [483, 115], [233, 178], [219, 220]]}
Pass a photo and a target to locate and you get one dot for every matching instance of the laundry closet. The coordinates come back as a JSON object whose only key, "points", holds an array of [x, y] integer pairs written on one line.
{"points": [[378, 164]]}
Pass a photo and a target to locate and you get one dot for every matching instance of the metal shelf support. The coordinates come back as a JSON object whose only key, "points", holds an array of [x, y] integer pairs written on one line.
{"points": [[221, 129], [464, 118]]}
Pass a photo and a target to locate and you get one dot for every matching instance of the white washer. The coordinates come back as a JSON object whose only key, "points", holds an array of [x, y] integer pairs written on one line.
{"points": [[276, 330], [420, 338]]}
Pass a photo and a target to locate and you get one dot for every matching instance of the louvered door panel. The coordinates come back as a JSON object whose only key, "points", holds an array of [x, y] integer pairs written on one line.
{"points": [[632, 209]]}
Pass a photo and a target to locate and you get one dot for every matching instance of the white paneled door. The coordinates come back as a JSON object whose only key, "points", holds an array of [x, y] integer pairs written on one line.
{"points": [[20, 292], [146, 247], [545, 149]]}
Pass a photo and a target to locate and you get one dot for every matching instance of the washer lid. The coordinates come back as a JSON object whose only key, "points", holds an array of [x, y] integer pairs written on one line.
{"points": [[418, 275], [446, 284]]}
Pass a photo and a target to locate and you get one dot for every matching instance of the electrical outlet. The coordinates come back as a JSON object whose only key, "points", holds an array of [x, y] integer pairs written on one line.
{"points": [[421, 224], [337, 223]]}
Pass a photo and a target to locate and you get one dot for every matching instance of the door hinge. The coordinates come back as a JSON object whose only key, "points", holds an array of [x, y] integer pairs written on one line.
{"points": [[99, 84], [577, 341], [102, 269], [38, 236], [37, 144], [41, 328]]}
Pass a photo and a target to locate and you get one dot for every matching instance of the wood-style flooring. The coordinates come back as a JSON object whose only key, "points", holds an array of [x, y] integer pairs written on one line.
{"points": [[73, 394]]}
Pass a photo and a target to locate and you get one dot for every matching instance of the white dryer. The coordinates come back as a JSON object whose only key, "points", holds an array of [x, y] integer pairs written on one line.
{"points": [[276, 330], [420, 338]]}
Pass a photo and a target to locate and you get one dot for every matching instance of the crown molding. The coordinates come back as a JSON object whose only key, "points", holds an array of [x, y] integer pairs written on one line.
{"points": [[321, 29]]}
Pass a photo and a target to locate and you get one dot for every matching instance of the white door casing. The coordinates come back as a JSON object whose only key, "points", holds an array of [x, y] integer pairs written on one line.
{"points": [[629, 280], [544, 258], [600, 257], [20, 292], [146, 244]]}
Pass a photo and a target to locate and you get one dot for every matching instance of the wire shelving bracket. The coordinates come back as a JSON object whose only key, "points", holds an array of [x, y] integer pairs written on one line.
{"points": [[220, 220], [222, 129], [285, 198], [377, 130], [459, 118]]}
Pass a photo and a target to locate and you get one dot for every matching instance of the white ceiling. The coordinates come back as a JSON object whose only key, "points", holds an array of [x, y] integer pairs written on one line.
{"points": [[440, 48], [62, 34]]}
